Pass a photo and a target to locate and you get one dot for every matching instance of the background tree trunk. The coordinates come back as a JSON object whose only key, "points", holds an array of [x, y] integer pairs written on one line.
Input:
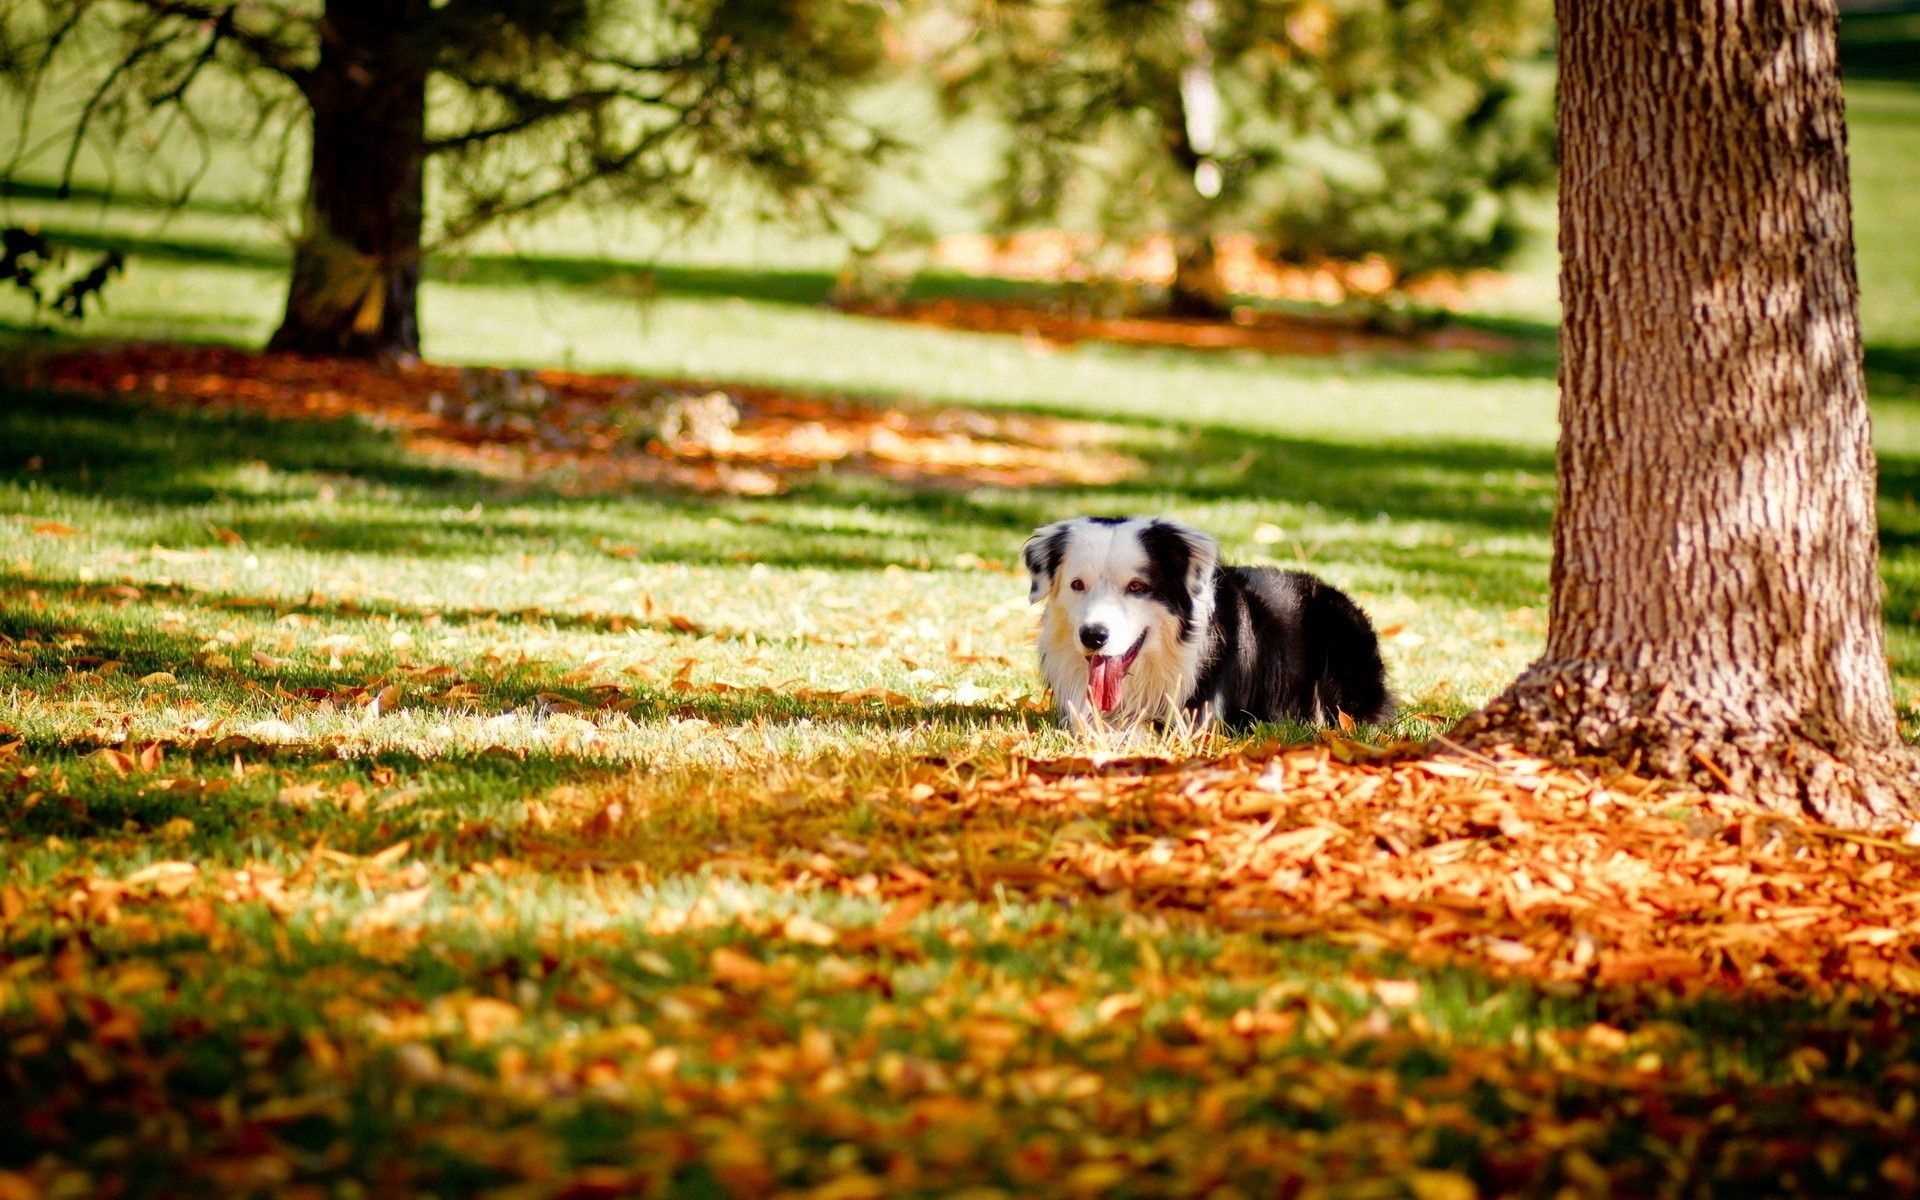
{"points": [[1196, 290], [1715, 611], [1194, 134], [356, 269]]}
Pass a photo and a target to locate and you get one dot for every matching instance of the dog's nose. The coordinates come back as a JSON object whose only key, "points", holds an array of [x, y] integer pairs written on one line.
{"points": [[1093, 636]]}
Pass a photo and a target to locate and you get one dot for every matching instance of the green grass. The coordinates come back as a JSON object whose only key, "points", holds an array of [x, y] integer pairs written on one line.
{"points": [[302, 1014]]}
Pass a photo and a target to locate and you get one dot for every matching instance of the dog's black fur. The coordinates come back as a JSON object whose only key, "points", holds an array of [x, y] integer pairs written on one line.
{"points": [[1284, 645]]}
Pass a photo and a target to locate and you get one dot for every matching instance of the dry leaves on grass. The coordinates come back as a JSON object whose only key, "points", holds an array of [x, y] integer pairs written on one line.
{"points": [[597, 433], [722, 1039], [1512, 865], [1057, 256]]}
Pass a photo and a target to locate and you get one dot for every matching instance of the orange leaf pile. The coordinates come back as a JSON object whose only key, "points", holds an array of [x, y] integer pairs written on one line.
{"points": [[1512, 865]]}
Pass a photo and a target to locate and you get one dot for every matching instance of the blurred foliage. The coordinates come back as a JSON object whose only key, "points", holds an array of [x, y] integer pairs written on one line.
{"points": [[28, 258], [531, 104], [1407, 129]]}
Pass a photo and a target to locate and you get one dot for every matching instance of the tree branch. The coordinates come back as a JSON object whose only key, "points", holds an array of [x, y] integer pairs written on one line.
{"points": [[539, 110], [268, 52], [659, 66], [98, 97], [605, 169], [221, 26]]}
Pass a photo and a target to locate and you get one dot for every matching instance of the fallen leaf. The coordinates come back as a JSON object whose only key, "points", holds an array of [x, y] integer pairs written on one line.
{"points": [[730, 966], [1397, 993], [902, 914], [1442, 1185], [166, 878], [801, 928], [119, 761]]}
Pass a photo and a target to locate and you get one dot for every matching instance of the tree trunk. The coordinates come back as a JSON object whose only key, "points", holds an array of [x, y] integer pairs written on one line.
{"points": [[356, 268], [1196, 290], [1715, 610], [1193, 130]]}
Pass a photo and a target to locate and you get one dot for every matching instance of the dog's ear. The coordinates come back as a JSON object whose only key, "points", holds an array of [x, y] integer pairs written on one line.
{"points": [[1202, 553], [1042, 555]]}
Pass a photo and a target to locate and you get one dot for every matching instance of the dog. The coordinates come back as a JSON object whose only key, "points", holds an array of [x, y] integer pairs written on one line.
{"points": [[1144, 624]]}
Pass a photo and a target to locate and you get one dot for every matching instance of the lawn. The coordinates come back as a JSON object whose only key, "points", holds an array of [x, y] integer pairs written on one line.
{"points": [[390, 814]]}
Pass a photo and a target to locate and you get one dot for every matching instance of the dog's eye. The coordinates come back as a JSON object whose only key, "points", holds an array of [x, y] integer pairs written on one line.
{"points": [[1078, 585], [1137, 588]]}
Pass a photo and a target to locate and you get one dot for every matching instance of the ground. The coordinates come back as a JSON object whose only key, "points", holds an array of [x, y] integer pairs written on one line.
{"points": [[418, 784]]}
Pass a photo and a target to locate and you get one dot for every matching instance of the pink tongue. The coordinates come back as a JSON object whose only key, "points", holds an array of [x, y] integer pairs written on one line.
{"points": [[1104, 673]]}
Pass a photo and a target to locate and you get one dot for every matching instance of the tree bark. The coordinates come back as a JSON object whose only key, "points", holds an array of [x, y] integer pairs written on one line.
{"points": [[356, 268], [1715, 610]]}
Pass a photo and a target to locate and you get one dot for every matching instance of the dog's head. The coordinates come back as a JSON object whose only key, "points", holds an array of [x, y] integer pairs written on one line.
{"points": [[1125, 601]]}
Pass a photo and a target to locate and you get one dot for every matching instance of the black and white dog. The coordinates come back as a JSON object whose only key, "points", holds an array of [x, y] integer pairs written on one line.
{"points": [[1143, 623]]}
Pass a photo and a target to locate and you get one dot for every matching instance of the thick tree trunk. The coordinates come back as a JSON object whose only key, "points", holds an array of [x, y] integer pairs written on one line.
{"points": [[1715, 611], [356, 269]]}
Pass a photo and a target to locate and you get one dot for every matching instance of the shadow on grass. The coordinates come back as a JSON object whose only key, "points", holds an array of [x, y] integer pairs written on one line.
{"points": [[241, 800], [84, 194], [1893, 373], [1423, 509], [1882, 45], [121, 451], [78, 591], [770, 285], [528, 689], [172, 460]]}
